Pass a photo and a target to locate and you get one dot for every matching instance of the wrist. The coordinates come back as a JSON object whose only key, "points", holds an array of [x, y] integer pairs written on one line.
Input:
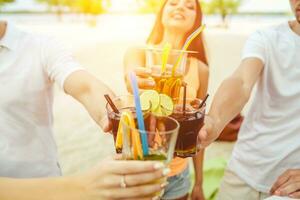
{"points": [[216, 123], [73, 187], [198, 183]]}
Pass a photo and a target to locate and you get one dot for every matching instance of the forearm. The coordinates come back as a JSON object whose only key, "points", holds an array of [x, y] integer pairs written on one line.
{"points": [[37, 189], [229, 100], [89, 91], [94, 100], [198, 167]]}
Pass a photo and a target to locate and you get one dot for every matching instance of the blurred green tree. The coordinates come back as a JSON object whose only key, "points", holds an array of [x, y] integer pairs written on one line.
{"points": [[149, 6], [92, 7], [222, 7], [2, 2], [57, 5]]}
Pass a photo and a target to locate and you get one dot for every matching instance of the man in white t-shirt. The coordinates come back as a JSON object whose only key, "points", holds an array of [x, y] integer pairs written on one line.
{"points": [[269, 139], [29, 65]]}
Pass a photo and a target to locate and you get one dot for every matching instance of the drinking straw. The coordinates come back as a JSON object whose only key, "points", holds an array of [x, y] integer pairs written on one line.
{"points": [[186, 45], [203, 102], [111, 103], [139, 113], [184, 98], [165, 55]]}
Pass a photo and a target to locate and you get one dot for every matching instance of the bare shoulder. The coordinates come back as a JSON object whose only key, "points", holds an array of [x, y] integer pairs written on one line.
{"points": [[202, 67], [135, 51], [134, 56]]}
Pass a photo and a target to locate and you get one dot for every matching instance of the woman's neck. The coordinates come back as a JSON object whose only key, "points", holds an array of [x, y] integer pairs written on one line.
{"points": [[174, 38], [2, 29]]}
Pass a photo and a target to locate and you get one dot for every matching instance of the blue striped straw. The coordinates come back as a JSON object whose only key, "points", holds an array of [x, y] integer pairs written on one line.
{"points": [[139, 113]]}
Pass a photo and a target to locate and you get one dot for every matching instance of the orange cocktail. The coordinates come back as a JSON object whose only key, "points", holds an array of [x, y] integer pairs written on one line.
{"points": [[166, 71]]}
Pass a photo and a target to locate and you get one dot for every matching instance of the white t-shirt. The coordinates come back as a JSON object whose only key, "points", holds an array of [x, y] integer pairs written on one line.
{"points": [[278, 198], [269, 139], [29, 65]]}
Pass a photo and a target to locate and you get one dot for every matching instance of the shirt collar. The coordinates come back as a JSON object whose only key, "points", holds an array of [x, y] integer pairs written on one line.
{"points": [[11, 37]]}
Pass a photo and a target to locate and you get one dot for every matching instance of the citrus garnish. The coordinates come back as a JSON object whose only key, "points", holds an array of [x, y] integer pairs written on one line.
{"points": [[160, 85], [175, 88], [124, 120], [150, 100], [166, 104], [127, 119], [158, 111]]}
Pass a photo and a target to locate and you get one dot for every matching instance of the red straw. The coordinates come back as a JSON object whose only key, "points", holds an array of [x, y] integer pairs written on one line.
{"points": [[203, 102], [112, 105]]}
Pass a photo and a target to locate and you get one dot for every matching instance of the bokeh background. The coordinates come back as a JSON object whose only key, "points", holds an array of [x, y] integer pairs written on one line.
{"points": [[100, 31]]}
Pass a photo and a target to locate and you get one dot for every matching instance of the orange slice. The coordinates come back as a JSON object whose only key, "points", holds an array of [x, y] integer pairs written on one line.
{"points": [[135, 138], [119, 139], [160, 85], [175, 88], [167, 86], [133, 135]]}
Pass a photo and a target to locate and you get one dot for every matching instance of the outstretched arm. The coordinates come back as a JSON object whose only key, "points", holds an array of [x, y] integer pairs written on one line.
{"points": [[230, 99], [102, 182], [89, 91]]}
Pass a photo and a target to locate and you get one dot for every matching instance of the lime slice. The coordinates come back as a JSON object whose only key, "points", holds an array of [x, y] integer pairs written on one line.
{"points": [[166, 104], [158, 111], [150, 99]]}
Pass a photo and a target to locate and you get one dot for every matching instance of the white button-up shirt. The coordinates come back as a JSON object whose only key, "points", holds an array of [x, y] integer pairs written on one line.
{"points": [[29, 65]]}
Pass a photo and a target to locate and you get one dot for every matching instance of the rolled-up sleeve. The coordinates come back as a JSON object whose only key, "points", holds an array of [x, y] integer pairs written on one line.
{"points": [[255, 47], [59, 62]]}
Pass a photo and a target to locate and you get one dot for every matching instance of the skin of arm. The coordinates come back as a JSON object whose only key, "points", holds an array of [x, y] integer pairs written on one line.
{"points": [[101, 182], [287, 184], [36, 189], [134, 60], [230, 99], [89, 91]]}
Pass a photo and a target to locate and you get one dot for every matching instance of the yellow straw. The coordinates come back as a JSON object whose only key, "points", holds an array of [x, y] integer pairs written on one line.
{"points": [[186, 45], [165, 55]]}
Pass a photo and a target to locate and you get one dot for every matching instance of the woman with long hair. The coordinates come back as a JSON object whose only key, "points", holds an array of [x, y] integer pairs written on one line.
{"points": [[175, 21]]}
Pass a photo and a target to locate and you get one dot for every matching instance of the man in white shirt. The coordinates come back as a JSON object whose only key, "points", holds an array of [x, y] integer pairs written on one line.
{"points": [[269, 139], [29, 66]]}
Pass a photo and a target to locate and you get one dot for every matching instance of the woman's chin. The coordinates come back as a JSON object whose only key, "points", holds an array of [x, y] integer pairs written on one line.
{"points": [[176, 26]]}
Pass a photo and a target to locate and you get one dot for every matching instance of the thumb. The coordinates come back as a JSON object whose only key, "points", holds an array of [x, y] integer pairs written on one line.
{"points": [[108, 127], [203, 133], [106, 124], [203, 138]]}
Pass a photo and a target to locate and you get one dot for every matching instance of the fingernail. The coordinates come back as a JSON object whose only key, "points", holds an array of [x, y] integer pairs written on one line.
{"points": [[164, 184], [277, 192], [156, 198], [166, 171], [159, 165]]}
